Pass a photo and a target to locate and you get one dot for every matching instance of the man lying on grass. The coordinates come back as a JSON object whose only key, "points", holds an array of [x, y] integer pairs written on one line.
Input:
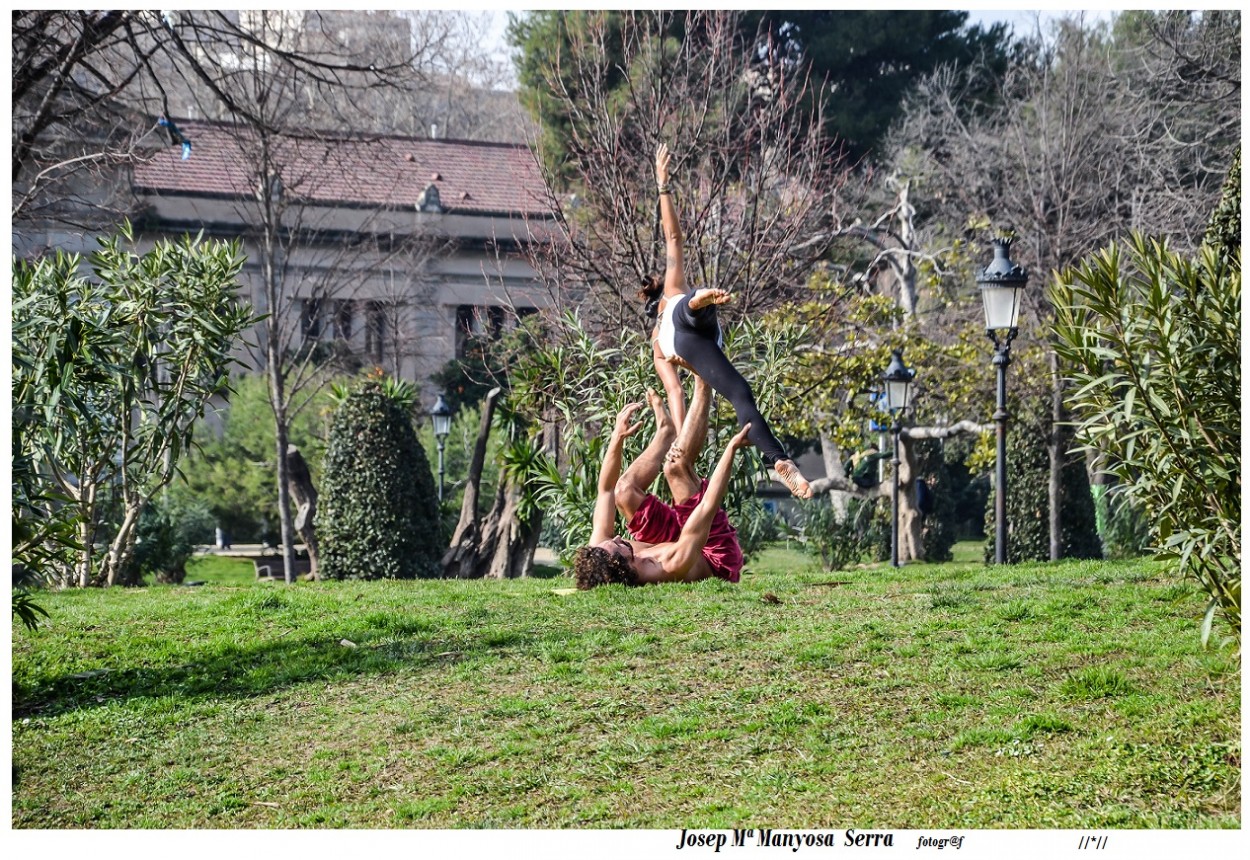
{"points": [[683, 542]]}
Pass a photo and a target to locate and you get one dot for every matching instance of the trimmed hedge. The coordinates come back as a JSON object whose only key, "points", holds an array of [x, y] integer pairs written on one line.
{"points": [[378, 511], [1224, 228]]}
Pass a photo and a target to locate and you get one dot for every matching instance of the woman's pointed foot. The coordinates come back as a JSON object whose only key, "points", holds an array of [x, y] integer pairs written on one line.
{"points": [[793, 478], [707, 296]]}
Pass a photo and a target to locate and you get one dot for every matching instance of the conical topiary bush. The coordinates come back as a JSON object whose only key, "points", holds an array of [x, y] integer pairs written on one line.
{"points": [[378, 512]]}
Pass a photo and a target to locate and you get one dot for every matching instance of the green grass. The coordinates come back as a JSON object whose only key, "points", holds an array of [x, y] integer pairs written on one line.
{"points": [[220, 570], [1070, 695]]}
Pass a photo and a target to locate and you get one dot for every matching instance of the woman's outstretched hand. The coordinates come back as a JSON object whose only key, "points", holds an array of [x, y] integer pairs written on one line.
{"points": [[662, 158]]}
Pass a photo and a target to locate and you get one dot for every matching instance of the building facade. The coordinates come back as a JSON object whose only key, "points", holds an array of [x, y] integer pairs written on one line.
{"points": [[382, 250]]}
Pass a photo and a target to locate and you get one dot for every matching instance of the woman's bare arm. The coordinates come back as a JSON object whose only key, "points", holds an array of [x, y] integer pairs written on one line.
{"points": [[674, 275]]}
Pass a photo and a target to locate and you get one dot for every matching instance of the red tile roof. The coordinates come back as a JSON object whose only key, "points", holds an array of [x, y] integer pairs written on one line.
{"points": [[471, 177]]}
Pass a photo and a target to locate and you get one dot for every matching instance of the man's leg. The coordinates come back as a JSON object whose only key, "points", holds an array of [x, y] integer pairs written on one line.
{"points": [[683, 482], [633, 485]]}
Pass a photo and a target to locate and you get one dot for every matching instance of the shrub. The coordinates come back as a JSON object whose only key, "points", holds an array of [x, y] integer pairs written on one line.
{"points": [[377, 511], [167, 535], [114, 365], [1125, 532], [757, 526], [1154, 340], [1028, 494], [838, 542]]}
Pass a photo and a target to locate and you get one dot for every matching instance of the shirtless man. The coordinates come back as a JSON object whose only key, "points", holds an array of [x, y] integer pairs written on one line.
{"points": [[683, 542]]}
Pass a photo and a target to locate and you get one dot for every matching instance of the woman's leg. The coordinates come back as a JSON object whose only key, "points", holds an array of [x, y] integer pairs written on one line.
{"points": [[696, 343], [673, 391]]}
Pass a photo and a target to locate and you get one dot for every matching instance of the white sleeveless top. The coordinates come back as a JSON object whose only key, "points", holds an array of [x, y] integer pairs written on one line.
{"points": [[668, 334]]}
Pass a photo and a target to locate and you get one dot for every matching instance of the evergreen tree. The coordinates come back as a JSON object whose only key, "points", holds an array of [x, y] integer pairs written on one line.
{"points": [[1224, 228], [378, 513], [870, 58]]}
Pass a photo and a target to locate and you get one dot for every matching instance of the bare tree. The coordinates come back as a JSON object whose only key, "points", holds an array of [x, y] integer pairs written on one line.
{"points": [[1088, 136], [751, 190], [88, 85]]}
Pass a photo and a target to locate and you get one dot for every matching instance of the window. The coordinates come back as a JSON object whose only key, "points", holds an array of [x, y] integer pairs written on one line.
{"points": [[343, 313], [485, 323], [375, 329], [310, 318]]}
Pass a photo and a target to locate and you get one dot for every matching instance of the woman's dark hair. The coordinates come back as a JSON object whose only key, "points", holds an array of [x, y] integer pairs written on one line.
{"points": [[652, 290]]}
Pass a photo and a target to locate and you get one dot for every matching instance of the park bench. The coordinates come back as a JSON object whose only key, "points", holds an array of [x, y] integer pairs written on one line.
{"points": [[269, 565]]}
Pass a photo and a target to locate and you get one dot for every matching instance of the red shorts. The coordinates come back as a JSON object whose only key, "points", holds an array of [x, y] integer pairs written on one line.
{"points": [[657, 522]]}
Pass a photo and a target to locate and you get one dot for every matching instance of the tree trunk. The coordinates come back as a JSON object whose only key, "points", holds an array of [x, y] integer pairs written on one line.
{"points": [[305, 496], [502, 546], [901, 259], [911, 522], [269, 197], [1055, 450], [285, 520], [464, 557], [513, 540], [86, 531], [839, 499], [122, 547]]}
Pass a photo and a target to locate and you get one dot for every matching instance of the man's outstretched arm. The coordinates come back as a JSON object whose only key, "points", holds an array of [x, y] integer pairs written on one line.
{"points": [[695, 532], [603, 521]]}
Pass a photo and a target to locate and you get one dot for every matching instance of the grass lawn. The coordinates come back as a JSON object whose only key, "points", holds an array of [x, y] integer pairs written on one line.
{"points": [[1072, 695]]}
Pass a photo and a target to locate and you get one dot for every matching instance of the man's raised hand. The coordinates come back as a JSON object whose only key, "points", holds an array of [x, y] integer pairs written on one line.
{"points": [[623, 428]]}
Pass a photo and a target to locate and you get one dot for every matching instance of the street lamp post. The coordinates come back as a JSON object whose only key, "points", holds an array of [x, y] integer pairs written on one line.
{"points": [[897, 380], [441, 413], [1002, 284]]}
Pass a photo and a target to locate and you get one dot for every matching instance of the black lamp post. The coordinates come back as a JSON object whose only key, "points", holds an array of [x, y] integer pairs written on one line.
{"points": [[441, 413], [897, 380], [1002, 285]]}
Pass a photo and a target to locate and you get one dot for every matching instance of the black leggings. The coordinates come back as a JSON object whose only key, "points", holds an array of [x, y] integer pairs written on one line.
{"points": [[694, 339]]}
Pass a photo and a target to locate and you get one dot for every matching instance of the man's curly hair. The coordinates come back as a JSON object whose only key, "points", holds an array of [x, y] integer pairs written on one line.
{"points": [[593, 565]]}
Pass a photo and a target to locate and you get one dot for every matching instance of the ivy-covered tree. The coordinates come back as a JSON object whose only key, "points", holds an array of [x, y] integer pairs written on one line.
{"points": [[378, 512], [1028, 505], [1224, 229]]}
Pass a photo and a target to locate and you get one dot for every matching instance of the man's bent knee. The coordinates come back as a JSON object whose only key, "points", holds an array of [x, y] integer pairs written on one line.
{"points": [[629, 496], [679, 471]]}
